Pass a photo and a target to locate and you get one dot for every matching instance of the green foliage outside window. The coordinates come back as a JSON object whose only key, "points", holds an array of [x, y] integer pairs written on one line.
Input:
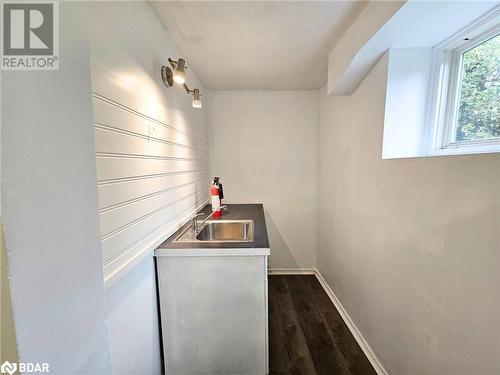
{"points": [[479, 104]]}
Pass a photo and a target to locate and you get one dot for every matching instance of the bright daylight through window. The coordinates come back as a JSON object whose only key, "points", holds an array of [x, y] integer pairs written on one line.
{"points": [[468, 98], [478, 116]]}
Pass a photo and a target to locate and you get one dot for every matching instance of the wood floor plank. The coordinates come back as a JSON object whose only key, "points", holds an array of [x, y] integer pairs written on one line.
{"points": [[288, 350], [343, 339], [349, 354], [295, 345], [318, 340], [324, 306], [307, 334], [279, 361], [321, 348], [282, 300], [302, 300]]}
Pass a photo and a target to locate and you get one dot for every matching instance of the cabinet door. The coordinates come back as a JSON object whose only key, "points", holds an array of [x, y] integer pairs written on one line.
{"points": [[214, 314]]}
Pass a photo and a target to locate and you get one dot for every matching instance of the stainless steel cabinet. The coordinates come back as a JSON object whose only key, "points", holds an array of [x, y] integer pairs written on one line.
{"points": [[213, 311]]}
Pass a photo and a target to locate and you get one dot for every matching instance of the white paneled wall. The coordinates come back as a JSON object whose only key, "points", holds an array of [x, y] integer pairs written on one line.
{"points": [[151, 174]]}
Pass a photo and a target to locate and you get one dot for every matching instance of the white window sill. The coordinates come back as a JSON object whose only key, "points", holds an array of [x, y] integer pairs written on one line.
{"points": [[464, 150]]}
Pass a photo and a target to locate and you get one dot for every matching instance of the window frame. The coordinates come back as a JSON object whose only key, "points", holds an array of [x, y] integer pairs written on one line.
{"points": [[446, 84]]}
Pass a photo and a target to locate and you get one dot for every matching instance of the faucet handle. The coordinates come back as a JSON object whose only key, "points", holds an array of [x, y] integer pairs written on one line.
{"points": [[194, 222]]}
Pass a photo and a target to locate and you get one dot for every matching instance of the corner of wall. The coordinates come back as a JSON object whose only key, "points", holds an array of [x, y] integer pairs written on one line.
{"points": [[8, 343]]}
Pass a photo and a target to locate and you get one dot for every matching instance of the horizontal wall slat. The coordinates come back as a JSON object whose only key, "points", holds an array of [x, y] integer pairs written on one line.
{"points": [[126, 144], [114, 117], [115, 219], [111, 89], [133, 254], [119, 242], [109, 168], [116, 193]]}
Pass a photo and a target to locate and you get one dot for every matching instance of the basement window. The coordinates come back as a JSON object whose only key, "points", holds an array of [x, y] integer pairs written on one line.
{"points": [[466, 99]]}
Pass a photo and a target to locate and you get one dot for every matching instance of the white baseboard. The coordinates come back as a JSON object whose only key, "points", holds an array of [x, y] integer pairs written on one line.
{"points": [[370, 354], [291, 271], [377, 365]]}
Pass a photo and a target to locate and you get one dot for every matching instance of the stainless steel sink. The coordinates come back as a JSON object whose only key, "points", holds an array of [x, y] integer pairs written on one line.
{"points": [[229, 230], [221, 231]]}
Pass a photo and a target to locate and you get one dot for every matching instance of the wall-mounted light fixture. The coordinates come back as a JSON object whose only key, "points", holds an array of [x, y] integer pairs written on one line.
{"points": [[196, 98], [177, 73]]}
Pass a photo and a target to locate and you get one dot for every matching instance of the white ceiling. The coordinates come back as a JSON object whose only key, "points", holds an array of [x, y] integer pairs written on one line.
{"points": [[272, 45]]}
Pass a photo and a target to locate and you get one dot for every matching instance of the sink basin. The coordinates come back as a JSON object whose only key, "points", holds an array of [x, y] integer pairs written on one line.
{"points": [[227, 230], [220, 231]]}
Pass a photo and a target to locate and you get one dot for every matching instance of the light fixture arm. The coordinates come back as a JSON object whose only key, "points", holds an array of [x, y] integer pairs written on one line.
{"points": [[188, 90], [191, 91]]}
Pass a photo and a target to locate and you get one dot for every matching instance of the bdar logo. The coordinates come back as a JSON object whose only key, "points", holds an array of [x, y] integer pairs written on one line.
{"points": [[8, 368]]}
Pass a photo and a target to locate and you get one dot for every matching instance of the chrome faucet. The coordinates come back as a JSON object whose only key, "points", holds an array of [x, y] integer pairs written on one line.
{"points": [[194, 221]]}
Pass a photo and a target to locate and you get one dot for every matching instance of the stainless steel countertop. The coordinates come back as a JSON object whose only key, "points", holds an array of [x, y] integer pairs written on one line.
{"points": [[253, 212]]}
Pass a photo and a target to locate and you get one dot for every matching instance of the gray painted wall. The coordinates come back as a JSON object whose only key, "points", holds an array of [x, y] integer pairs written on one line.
{"points": [[8, 344], [264, 146], [411, 247], [49, 208]]}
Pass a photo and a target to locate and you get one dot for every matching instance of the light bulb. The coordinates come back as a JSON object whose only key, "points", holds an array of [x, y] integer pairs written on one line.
{"points": [[179, 74], [179, 77], [196, 103], [196, 98]]}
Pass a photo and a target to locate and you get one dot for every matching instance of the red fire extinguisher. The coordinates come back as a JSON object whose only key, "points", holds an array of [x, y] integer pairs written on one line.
{"points": [[217, 194]]}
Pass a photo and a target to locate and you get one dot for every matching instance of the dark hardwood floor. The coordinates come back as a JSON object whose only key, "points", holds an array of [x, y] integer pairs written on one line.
{"points": [[307, 334]]}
